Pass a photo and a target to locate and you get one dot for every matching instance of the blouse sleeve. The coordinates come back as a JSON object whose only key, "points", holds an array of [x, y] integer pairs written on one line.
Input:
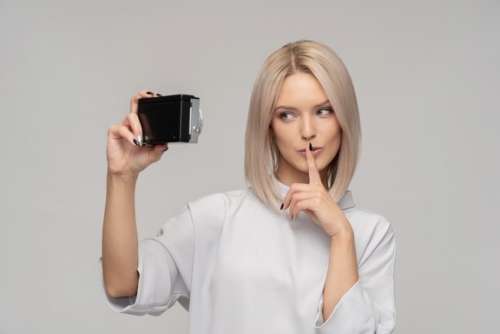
{"points": [[368, 307], [165, 268]]}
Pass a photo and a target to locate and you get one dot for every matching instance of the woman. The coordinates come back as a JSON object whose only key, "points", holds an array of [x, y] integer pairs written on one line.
{"points": [[291, 253]]}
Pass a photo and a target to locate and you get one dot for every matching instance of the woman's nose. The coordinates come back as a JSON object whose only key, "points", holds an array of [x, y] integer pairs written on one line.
{"points": [[307, 130]]}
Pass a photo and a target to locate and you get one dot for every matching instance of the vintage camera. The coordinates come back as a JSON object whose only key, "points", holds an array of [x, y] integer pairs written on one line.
{"points": [[170, 118]]}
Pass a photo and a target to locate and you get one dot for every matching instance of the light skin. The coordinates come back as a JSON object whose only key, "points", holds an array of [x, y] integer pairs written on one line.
{"points": [[301, 119]]}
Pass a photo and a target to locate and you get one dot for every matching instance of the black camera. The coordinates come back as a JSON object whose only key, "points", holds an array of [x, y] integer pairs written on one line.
{"points": [[170, 118]]}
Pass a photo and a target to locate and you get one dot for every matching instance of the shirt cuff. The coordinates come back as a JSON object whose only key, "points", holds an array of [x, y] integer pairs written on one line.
{"points": [[352, 314], [144, 302]]}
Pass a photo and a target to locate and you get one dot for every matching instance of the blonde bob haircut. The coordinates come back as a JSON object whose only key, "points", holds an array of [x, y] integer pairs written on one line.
{"points": [[261, 152]]}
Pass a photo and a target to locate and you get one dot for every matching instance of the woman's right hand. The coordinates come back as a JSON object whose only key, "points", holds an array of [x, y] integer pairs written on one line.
{"points": [[125, 158]]}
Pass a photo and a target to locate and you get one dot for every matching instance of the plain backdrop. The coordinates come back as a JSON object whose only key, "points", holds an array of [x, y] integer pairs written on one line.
{"points": [[426, 74]]}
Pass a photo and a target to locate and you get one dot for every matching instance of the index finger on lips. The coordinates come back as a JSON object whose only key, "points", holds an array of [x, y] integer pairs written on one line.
{"points": [[314, 177]]}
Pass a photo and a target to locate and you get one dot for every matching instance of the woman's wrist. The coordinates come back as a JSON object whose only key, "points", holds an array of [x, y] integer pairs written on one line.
{"points": [[346, 233], [126, 177]]}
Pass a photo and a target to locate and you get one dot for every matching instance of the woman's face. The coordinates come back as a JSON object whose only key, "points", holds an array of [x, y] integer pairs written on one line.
{"points": [[303, 114]]}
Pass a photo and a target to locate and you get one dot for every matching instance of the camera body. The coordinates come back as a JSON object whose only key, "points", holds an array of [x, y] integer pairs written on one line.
{"points": [[170, 118]]}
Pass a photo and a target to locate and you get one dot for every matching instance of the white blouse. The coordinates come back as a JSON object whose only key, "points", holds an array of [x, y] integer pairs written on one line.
{"points": [[238, 267]]}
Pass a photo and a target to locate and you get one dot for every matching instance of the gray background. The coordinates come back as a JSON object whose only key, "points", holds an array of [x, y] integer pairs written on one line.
{"points": [[427, 77]]}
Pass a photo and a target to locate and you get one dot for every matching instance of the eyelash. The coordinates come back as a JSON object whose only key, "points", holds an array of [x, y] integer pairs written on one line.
{"points": [[284, 113]]}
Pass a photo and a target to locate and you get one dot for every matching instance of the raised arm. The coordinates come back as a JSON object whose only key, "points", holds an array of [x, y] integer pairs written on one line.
{"points": [[126, 158]]}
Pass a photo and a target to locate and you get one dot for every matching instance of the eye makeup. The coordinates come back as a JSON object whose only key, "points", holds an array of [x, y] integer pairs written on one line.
{"points": [[329, 108], [283, 114]]}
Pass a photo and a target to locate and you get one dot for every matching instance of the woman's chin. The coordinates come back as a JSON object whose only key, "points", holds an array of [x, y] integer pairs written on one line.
{"points": [[304, 167]]}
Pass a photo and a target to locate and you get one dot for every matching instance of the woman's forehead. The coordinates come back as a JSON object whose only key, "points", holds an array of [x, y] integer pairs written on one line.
{"points": [[301, 91]]}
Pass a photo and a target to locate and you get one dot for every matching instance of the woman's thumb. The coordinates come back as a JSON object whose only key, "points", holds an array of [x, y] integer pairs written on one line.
{"points": [[158, 151]]}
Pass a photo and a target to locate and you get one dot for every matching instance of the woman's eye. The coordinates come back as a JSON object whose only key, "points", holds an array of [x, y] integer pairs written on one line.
{"points": [[328, 111], [283, 115], [286, 115]]}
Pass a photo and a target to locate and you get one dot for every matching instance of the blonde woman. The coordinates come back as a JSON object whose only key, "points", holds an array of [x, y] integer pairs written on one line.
{"points": [[291, 252]]}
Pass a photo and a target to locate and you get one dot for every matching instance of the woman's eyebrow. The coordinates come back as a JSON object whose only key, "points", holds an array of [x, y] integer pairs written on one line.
{"points": [[327, 102]]}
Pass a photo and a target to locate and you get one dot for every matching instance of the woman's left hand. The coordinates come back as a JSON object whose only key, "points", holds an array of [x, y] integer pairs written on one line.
{"points": [[316, 201]]}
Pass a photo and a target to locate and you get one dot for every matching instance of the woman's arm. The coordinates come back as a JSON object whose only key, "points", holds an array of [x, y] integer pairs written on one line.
{"points": [[342, 270], [368, 306], [119, 242], [126, 159]]}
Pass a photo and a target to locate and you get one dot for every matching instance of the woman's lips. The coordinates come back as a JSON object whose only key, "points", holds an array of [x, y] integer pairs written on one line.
{"points": [[315, 152]]}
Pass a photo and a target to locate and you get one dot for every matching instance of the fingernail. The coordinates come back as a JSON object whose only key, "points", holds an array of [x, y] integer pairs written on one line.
{"points": [[281, 207], [150, 93], [136, 142], [310, 146], [139, 140]]}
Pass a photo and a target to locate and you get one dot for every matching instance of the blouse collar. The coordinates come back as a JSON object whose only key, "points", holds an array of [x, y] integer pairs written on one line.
{"points": [[346, 202]]}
